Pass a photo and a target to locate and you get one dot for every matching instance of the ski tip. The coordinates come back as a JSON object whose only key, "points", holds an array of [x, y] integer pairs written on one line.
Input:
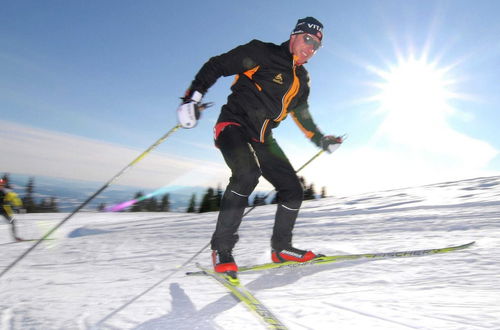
{"points": [[460, 247], [232, 277]]}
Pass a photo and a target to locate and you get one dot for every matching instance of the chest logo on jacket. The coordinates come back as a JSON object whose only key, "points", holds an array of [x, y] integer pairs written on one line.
{"points": [[278, 79]]}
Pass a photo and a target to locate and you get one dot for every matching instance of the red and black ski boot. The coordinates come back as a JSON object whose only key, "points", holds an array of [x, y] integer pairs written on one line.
{"points": [[223, 262], [292, 254]]}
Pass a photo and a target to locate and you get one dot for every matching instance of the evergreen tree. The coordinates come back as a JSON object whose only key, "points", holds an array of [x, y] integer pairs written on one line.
{"points": [[218, 197], [305, 195], [28, 201], [259, 200], [310, 192], [165, 203], [313, 191], [139, 206], [47, 205], [101, 207], [323, 192], [53, 205], [192, 204], [43, 206], [151, 204], [208, 202]]}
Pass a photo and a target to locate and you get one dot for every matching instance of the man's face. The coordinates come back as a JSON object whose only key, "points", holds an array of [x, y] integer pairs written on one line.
{"points": [[304, 46]]}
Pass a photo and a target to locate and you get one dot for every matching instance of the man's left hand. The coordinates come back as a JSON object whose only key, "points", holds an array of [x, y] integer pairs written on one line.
{"points": [[330, 143]]}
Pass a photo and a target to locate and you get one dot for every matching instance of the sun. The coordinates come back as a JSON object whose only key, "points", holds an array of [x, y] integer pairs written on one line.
{"points": [[414, 99], [414, 86]]}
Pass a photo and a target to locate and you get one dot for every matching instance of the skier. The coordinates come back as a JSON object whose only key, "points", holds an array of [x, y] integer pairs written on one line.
{"points": [[10, 202], [271, 82]]}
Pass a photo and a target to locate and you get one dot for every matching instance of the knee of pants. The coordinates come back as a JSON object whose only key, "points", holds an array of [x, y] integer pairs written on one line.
{"points": [[245, 183], [291, 196]]}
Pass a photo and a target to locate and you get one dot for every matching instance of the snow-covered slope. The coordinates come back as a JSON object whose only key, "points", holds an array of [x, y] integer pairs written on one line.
{"points": [[121, 271]]}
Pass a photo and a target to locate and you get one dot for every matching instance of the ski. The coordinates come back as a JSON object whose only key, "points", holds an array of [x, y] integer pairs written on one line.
{"points": [[324, 260], [240, 292]]}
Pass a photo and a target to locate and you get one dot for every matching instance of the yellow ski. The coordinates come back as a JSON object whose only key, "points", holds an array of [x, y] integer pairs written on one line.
{"points": [[238, 290], [323, 260]]}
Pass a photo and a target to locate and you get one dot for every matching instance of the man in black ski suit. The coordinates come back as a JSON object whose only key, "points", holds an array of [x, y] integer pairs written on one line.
{"points": [[271, 82]]}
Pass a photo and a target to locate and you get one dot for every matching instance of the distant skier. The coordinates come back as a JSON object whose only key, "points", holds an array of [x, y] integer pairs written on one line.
{"points": [[10, 202], [271, 82]]}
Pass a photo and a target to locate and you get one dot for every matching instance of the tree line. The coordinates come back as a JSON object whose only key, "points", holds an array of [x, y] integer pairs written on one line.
{"points": [[210, 200], [142, 204]]}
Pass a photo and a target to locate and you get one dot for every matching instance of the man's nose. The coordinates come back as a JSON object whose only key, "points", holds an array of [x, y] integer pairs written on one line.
{"points": [[310, 49]]}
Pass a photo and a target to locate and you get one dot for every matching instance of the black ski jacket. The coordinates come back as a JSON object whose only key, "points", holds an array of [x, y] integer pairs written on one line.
{"points": [[268, 86]]}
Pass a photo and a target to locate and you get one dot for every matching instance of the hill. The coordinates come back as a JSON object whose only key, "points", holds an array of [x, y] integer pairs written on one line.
{"points": [[121, 270]]}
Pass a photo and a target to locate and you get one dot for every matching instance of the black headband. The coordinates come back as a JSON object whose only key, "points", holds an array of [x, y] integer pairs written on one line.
{"points": [[309, 25]]}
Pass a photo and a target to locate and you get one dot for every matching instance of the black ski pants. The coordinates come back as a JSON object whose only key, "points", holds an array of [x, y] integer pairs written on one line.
{"points": [[248, 160]]}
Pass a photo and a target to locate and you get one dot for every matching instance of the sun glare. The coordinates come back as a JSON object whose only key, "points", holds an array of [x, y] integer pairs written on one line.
{"points": [[413, 86], [413, 98]]}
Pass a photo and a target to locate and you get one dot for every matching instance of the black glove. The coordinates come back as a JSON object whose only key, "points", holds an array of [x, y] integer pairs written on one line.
{"points": [[330, 143]]}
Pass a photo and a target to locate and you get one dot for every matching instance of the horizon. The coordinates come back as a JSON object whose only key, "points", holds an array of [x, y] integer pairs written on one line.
{"points": [[179, 196], [46, 187]]}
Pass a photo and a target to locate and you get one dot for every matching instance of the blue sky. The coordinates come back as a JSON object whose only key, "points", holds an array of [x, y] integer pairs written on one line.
{"points": [[85, 86]]}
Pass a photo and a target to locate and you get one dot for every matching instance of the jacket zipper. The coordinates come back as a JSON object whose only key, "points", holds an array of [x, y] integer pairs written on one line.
{"points": [[285, 102]]}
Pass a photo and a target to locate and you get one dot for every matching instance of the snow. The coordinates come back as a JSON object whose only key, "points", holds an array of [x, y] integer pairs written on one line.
{"points": [[123, 270]]}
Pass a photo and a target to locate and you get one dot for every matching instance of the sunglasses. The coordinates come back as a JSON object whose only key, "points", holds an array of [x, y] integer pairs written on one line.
{"points": [[308, 39]]}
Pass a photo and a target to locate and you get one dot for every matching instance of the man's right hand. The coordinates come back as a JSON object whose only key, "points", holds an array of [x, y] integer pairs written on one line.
{"points": [[188, 112]]}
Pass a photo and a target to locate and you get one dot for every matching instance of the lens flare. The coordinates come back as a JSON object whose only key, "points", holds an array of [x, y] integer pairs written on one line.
{"points": [[123, 205]]}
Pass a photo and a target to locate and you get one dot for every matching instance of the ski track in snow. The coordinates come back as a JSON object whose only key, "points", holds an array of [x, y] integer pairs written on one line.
{"points": [[122, 270]]}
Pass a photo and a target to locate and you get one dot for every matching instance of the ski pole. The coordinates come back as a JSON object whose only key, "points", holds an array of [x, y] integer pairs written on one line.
{"points": [[297, 171], [106, 185], [310, 160], [250, 210]]}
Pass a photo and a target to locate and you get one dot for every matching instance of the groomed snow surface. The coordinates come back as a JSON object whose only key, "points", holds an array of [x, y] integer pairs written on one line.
{"points": [[122, 270]]}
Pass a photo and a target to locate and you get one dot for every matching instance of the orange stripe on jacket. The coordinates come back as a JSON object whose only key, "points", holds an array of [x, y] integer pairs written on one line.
{"points": [[249, 74], [287, 98], [307, 132]]}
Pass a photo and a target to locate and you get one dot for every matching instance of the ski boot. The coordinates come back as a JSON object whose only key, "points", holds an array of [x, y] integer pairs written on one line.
{"points": [[292, 254], [223, 262]]}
